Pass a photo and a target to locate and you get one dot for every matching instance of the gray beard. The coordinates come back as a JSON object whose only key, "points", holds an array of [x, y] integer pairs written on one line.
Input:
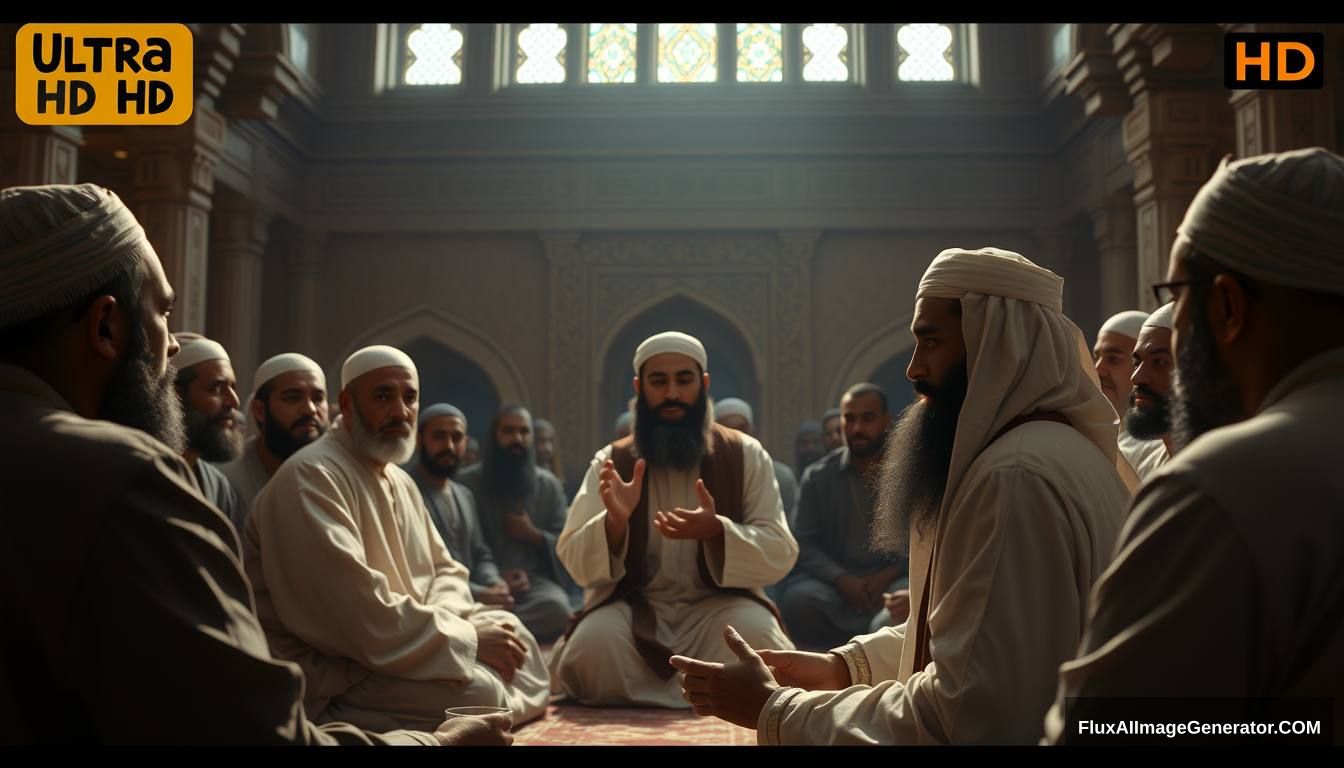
{"points": [[396, 451], [212, 441]]}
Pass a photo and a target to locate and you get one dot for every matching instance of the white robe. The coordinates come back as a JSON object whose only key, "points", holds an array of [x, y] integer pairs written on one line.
{"points": [[1030, 528], [1137, 451], [598, 664], [354, 583]]}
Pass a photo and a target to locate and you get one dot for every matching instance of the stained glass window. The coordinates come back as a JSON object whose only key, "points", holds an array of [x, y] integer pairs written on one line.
{"points": [[433, 55], [687, 53], [760, 53], [540, 54], [825, 53], [926, 52], [611, 53]]}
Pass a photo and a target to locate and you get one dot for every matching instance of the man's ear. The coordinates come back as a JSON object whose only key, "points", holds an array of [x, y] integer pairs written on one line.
{"points": [[107, 327], [258, 412], [704, 382], [1226, 309], [635, 384]]}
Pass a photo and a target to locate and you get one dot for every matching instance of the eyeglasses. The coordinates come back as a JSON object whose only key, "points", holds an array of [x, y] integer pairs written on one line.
{"points": [[1163, 291]]}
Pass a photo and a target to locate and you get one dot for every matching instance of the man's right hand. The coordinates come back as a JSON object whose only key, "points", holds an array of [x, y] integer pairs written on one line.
{"points": [[852, 590], [620, 498], [496, 594], [810, 671], [499, 647], [487, 731]]}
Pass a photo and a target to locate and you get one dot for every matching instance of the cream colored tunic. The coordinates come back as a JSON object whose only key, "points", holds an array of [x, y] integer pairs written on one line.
{"points": [[599, 664], [1030, 529], [354, 584]]}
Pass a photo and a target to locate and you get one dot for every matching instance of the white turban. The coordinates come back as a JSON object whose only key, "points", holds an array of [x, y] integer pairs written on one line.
{"points": [[60, 243], [1277, 218], [370, 358], [195, 348], [286, 363], [671, 341], [1022, 355], [732, 406], [956, 272], [1162, 317], [1127, 323]]}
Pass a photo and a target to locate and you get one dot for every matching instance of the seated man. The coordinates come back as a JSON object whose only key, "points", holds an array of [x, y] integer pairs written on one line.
{"points": [[840, 586], [353, 583], [443, 441], [668, 562], [736, 413], [126, 616], [521, 507], [1005, 481]]}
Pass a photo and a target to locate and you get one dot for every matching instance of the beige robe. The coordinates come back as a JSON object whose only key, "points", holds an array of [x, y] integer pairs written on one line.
{"points": [[1227, 579], [1030, 528], [598, 664], [354, 583], [125, 617]]}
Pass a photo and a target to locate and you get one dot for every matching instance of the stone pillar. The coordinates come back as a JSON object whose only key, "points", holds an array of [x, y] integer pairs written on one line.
{"points": [[1114, 228], [1179, 127], [237, 243], [304, 268]]}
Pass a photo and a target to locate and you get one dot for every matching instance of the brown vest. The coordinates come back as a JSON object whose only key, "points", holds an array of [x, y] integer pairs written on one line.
{"points": [[923, 655], [721, 469]]}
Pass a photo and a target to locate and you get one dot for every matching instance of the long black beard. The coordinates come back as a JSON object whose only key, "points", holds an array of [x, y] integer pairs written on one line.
{"points": [[1203, 394], [136, 398], [918, 454], [681, 443], [210, 439], [431, 464], [280, 441], [1148, 423], [507, 474]]}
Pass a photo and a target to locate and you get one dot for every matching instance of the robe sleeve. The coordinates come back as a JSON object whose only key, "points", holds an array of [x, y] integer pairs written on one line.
{"points": [[485, 570], [760, 550], [329, 597], [998, 628], [582, 546], [1174, 613], [875, 657]]}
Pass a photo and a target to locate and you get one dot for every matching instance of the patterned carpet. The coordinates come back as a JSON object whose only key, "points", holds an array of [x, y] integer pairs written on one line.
{"points": [[576, 725]]}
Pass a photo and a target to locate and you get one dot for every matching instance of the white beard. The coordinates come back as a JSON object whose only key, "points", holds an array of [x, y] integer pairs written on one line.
{"points": [[398, 450]]}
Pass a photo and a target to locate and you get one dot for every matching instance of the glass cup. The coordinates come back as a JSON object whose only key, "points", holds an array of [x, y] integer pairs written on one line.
{"points": [[452, 712]]}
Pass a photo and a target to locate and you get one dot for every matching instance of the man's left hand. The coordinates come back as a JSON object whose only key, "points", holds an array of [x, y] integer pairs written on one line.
{"points": [[700, 523], [734, 692]]}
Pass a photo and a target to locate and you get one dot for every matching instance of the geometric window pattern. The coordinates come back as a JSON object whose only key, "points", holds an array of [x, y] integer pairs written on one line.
{"points": [[760, 53]]}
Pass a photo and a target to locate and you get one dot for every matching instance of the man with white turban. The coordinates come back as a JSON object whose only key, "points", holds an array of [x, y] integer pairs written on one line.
{"points": [[204, 385], [1112, 356], [1004, 476], [354, 583], [736, 413], [126, 614], [1148, 417], [673, 535], [289, 408], [1227, 579]]}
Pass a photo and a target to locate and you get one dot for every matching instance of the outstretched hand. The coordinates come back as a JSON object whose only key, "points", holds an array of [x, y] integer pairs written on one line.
{"points": [[734, 692]]}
